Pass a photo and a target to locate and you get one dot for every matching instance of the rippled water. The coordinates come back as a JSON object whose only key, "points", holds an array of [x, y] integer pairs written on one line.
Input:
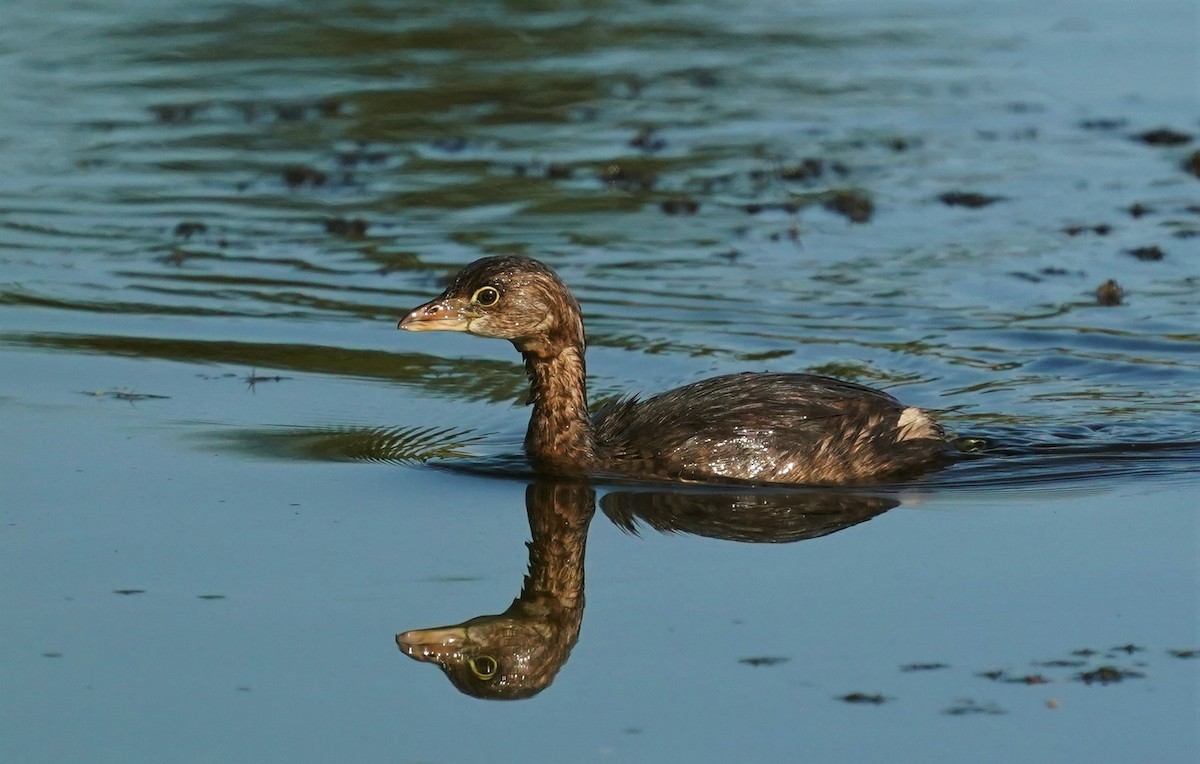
{"points": [[212, 215]]}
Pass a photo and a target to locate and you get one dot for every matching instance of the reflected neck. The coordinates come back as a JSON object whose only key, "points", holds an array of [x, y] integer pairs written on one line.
{"points": [[559, 439], [559, 515]]}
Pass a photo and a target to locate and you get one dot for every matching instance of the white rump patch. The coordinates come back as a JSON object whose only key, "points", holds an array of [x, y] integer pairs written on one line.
{"points": [[915, 424]]}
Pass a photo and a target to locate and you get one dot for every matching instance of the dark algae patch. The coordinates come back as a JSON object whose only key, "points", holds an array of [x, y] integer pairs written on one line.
{"points": [[1150, 254], [855, 206], [254, 378], [189, 228], [970, 199], [297, 176], [1108, 675], [351, 227], [1006, 678], [1191, 165], [864, 698], [911, 667], [121, 394], [764, 660], [1163, 136], [1102, 229]]}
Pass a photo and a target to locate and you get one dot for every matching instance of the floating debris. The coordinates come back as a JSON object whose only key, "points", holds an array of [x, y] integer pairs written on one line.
{"points": [[764, 660], [1163, 136], [128, 592], [1109, 293], [790, 208], [189, 228], [1103, 229], [856, 206], [1007, 678], [1060, 663], [874, 699], [1108, 675], [924, 666], [174, 114], [123, 394], [345, 226], [254, 378], [296, 176], [1192, 163], [968, 199], [1151, 254]]}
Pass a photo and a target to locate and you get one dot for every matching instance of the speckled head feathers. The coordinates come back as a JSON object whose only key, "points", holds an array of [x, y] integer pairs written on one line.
{"points": [[509, 297]]}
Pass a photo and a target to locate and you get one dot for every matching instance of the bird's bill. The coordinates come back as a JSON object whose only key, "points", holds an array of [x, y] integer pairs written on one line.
{"points": [[434, 645], [445, 314]]}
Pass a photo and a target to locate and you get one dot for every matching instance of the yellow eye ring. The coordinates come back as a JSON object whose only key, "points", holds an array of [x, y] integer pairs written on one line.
{"points": [[484, 666], [486, 296]]}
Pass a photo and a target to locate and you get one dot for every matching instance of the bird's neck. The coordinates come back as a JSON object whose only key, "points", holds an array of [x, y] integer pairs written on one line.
{"points": [[559, 439]]}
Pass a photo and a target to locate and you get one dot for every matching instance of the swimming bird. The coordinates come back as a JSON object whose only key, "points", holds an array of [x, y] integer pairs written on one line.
{"points": [[761, 427]]}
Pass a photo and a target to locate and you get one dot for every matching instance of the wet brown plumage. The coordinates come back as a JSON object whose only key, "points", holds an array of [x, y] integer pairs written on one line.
{"points": [[758, 427]]}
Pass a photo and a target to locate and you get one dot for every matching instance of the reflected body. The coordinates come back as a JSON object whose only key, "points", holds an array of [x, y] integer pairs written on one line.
{"points": [[518, 653], [758, 427], [759, 516]]}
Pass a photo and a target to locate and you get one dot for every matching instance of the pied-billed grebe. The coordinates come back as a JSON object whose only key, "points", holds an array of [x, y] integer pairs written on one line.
{"points": [[760, 427]]}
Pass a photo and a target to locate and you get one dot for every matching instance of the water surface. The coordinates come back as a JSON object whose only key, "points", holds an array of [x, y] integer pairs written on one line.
{"points": [[227, 481]]}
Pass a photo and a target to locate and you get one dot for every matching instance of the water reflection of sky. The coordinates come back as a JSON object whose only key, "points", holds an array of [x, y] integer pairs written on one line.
{"points": [[216, 572]]}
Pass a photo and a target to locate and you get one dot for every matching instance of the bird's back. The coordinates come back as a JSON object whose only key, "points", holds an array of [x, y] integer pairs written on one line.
{"points": [[767, 427]]}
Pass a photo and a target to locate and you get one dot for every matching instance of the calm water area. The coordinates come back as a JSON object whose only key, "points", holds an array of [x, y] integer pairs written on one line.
{"points": [[227, 482]]}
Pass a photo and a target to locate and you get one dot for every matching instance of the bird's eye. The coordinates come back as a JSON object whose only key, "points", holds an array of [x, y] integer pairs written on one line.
{"points": [[486, 296], [484, 667]]}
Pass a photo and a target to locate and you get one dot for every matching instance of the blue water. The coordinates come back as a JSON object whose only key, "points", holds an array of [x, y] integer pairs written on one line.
{"points": [[226, 481]]}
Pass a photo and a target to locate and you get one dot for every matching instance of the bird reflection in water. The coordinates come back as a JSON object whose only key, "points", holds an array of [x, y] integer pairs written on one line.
{"points": [[517, 653]]}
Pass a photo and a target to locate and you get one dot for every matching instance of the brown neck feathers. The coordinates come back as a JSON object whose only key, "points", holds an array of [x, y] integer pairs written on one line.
{"points": [[559, 440]]}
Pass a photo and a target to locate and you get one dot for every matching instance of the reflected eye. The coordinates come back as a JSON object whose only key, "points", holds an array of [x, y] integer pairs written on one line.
{"points": [[484, 667], [486, 296]]}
